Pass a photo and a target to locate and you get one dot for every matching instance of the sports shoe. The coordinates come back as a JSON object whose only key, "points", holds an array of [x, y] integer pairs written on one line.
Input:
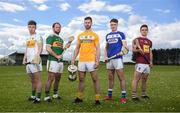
{"points": [[31, 98], [56, 96], [77, 100], [123, 100], [37, 100], [48, 99], [145, 97], [108, 98], [97, 102], [135, 99]]}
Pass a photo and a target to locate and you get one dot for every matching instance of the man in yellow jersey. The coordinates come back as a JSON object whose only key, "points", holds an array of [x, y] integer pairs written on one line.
{"points": [[89, 53]]}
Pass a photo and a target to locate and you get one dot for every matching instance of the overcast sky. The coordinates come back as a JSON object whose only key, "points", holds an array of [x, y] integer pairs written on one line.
{"points": [[162, 16]]}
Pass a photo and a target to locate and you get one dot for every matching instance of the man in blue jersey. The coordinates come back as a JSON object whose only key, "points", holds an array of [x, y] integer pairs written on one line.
{"points": [[115, 42]]}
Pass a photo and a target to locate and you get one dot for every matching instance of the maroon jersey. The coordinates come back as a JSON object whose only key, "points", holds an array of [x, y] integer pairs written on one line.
{"points": [[145, 45]]}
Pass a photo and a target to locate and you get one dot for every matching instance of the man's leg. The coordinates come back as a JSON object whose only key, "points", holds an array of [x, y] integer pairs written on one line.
{"points": [[81, 87], [38, 84], [51, 77], [137, 77], [121, 76], [110, 83], [56, 85], [96, 83], [81, 83], [33, 86], [144, 83]]}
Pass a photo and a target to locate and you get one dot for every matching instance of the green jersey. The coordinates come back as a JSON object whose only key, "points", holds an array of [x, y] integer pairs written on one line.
{"points": [[56, 43]]}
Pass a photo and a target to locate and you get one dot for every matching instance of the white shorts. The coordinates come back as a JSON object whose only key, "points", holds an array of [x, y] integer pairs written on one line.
{"points": [[54, 66], [86, 66], [142, 68], [33, 68], [115, 64]]}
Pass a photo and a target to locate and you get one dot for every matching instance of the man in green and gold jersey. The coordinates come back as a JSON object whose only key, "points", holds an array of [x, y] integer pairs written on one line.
{"points": [[54, 46]]}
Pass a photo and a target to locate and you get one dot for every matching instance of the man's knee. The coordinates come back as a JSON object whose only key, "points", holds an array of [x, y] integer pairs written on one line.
{"points": [[57, 77], [95, 78], [50, 78], [81, 78], [111, 78], [144, 79]]}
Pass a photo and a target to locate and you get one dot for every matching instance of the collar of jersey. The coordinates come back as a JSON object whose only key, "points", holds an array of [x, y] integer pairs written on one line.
{"points": [[143, 37], [33, 35], [56, 34], [88, 30], [114, 31]]}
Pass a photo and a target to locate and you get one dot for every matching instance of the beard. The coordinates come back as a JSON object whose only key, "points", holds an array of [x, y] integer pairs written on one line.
{"points": [[57, 32], [88, 27]]}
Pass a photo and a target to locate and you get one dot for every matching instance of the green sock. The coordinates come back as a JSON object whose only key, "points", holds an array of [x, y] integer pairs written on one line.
{"points": [[39, 95], [47, 93], [55, 91], [33, 92]]}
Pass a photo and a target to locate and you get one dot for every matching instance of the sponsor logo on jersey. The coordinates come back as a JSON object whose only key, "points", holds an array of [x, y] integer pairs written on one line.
{"points": [[114, 36], [31, 43], [112, 40], [57, 44], [86, 39], [146, 48]]}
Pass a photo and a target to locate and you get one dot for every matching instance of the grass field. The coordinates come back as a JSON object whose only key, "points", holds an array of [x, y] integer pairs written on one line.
{"points": [[164, 90]]}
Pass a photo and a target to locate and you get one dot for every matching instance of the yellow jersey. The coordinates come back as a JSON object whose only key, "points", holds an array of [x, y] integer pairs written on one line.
{"points": [[88, 41]]}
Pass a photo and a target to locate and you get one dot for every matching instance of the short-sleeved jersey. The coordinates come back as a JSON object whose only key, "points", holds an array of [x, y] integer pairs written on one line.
{"points": [[114, 43], [88, 41], [56, 44], [32, 46], [145, 45]]}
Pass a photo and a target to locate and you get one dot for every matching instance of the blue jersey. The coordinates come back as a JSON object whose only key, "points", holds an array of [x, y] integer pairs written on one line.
{"points": [[114, 43]]}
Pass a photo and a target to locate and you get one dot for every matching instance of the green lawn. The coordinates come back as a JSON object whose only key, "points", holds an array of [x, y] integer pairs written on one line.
{"points": [[163, 88]]}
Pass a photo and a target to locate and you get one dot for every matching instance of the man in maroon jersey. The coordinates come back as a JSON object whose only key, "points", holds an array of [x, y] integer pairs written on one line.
{"points": [[144, 61]]}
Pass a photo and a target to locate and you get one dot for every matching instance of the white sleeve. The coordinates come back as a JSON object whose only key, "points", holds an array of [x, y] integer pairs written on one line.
{"points": [[39, 39]]}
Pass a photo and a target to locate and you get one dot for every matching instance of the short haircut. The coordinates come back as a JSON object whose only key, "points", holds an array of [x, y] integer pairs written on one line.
{"points": [[88, 18], [144, 25], [114, 20], [31, 22], [55, 24]]}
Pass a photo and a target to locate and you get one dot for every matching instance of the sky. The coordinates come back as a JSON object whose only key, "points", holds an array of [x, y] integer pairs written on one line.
{"points": [[162, 17]]}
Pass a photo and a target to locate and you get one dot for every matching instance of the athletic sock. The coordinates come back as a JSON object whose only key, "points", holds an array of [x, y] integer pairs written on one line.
{"points": [[80, 95], [143, 93], [123, 94], [110, 93], [47, 93], [97, 97], [55, 91], [33, 92], [134, 94], [39, 95]]}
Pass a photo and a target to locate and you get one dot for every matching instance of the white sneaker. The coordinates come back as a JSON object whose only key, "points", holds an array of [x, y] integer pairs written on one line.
{"points": [[31, 98], [48, 99], [56, 96], [37, 100]]}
